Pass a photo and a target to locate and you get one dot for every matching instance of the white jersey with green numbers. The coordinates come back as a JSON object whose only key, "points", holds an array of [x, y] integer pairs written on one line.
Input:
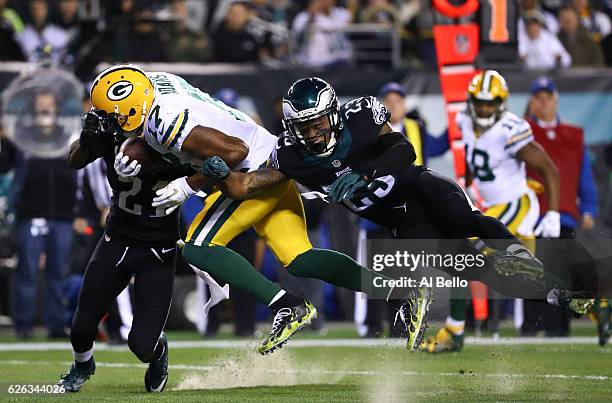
{"points": [[179, 107], [491, 157]]}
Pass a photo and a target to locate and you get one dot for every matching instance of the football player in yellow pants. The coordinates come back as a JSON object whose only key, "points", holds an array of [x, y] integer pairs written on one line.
{"points": [[277, 215], [514, 215], [498, 145], [187, 126]]}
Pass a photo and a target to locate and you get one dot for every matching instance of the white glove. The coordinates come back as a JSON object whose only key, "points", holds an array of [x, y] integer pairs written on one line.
{"points": [[549, 226], [173, 195], [124, 168]]}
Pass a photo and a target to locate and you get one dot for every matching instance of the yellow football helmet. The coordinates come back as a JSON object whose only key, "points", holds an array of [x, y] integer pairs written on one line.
{"points": [[487, 87], [126, 94]]}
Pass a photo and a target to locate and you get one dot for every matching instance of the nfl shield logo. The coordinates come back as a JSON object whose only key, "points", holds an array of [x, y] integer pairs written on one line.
{"points": [[462, 44], [336, 163]]}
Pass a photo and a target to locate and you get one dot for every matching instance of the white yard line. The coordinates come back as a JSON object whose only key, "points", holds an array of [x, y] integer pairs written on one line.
{"points": [[300, 343], [205, 368]]}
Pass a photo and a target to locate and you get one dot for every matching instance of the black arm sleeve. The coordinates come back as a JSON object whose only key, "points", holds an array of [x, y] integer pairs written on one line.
{"points": [[392, 153]]}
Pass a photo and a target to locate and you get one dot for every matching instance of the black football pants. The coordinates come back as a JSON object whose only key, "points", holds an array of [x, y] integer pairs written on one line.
{"points": [[447, 206], [439, 209], [108, 272]]}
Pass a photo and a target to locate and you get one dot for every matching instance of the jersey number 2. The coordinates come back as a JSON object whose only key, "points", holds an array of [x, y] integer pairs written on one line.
{"points": [[126, 197]]}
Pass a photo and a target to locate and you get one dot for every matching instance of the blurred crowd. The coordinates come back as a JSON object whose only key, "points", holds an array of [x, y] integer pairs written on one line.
{"points": [[79, 34]]}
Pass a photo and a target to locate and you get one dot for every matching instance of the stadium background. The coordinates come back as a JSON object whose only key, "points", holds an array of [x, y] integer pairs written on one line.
{"points": [[585, 93], [316, 366], [590, 89]]}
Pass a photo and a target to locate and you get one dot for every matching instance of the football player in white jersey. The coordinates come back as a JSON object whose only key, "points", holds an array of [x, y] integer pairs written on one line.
{"points": [[187, 126], [498, 145]]}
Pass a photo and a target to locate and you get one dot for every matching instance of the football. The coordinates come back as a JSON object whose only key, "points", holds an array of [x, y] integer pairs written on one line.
{"points": [[137, 149]]}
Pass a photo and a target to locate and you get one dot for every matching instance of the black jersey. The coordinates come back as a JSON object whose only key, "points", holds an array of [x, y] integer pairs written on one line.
{"points": [[362, 120], [132, 220]]}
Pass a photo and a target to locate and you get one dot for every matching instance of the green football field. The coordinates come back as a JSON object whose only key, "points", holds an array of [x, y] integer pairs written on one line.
{"points": [[329, 369]]}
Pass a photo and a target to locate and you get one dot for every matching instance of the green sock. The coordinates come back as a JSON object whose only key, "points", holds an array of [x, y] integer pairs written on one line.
{"points": [[227, 265], [457, 303], [333, 267]]}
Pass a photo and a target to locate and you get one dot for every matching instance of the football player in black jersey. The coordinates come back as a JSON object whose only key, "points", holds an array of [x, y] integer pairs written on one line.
{"points": [[349, 154], [140, 242]]}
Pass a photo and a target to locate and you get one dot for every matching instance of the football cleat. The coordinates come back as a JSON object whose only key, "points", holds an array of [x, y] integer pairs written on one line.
{"points": [[286, 322], [78, 374], [603, 312], [445, 341], [156, 376], [517, 259], [576, 302], [414, 314]]}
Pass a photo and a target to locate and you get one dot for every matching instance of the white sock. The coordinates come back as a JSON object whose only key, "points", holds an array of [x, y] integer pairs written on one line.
{"points": [[84, 357], [277, 297]]}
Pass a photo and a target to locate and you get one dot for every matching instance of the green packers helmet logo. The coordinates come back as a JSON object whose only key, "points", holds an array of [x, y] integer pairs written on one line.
{"points": [[119, 90]]}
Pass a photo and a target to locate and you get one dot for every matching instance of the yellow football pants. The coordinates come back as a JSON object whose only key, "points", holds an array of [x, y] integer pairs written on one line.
{"points": [[512, 216], [277, 215]]}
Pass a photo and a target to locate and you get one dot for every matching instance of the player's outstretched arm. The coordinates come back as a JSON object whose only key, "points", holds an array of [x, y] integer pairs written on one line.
{"points": [[202, 142], [239, 185], [536, 158], [205, 142], [252, 183]]}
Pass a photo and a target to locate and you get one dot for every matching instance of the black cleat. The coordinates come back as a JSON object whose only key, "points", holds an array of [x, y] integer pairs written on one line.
{"points": [[156, 376], [577, 303], [414, 313], [517, 259], [286, 322], [77, 376]]}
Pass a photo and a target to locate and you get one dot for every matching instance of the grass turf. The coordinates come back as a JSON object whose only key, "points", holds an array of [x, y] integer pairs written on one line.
{"points": [[479, 373]]}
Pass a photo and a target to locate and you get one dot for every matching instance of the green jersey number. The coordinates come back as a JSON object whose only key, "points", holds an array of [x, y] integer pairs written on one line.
{"points": [[202, 96], [480, 165]]}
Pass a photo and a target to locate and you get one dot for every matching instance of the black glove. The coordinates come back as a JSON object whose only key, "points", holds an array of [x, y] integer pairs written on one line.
{"points": [[94, 136]]}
